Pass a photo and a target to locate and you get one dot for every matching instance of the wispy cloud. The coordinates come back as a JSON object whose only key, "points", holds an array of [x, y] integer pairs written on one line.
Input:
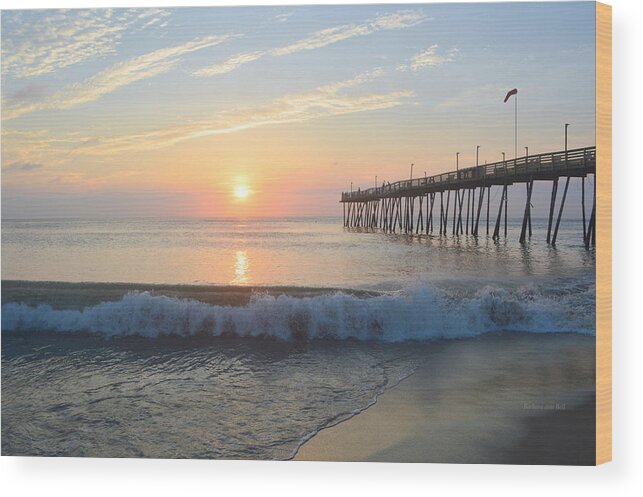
{"points": [[323, 101], [231, 64], [117, 76], [66, 37], [428, 58], [319, 39]]}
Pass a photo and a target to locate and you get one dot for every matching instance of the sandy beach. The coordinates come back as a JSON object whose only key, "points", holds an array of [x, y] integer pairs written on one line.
{"points": [[504, 399]]}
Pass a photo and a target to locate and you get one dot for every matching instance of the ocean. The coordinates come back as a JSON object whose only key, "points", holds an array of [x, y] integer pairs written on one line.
{"points": [[243, 339]]}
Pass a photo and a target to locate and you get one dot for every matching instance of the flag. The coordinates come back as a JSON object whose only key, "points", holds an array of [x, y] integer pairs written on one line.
{"points": [[511, 92]]}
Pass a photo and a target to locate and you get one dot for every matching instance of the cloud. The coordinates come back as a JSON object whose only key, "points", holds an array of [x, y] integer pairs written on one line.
{"points": [[231, 64], [428, 58], [21, 167], [117, 76], [321, 102], [397, 20], [34, 44]]}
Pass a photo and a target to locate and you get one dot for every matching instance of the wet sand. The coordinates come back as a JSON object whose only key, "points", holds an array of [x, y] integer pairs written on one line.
{"points": [[499, 399]]}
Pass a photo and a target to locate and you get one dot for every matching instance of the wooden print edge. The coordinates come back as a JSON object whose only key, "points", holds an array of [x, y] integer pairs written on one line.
{"points": [[604, 233]]}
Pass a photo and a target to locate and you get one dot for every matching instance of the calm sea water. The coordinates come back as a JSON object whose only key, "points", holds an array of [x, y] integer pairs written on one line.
{"points": [[335, 317], [309, 253]]}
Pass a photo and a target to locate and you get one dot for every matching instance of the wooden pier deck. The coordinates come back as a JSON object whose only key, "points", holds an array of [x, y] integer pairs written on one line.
{"points": [[392, 206]]}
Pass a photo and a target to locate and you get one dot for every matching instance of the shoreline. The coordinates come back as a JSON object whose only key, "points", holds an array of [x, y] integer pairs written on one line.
{"points": [[505, 412]]}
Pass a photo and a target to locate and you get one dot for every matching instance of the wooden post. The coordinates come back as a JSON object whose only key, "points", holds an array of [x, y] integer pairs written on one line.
{"points": [[394, 214], [506, 202], [458, 227], [590, 228], [428, 196], [594, 216], [473, 203], [582, 201], [367, 213], [496, 231], [526, 215], [488, 203], [441, 210], [590, 236], [531, 189], [480, 201], [560, 212], [446, 212], [552, 206], [431, 213], [468, 202], [384, 213], [455, 203], [412, 213]]}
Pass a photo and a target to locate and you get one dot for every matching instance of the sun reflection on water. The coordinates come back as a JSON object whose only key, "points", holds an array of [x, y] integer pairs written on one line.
{"points": [[241, 267]]}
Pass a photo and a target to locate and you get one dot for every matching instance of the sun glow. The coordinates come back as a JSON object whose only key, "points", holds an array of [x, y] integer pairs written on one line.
{"points": [[241, 192]]}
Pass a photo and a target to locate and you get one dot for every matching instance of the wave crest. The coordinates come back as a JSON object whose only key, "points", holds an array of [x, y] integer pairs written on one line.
{"points": [[418, 313]]}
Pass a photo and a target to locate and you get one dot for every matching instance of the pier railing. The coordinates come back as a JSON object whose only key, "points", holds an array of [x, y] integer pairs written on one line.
{"points": [[579, 161]]}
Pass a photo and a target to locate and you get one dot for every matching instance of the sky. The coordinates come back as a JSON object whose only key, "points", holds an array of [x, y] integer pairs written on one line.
{"points": [[274, 111]]}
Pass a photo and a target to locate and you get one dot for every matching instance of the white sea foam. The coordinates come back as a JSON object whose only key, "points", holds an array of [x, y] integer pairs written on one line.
{"points": [[418, 313]]}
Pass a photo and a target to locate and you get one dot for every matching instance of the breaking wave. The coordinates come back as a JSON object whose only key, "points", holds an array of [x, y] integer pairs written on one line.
{"points": [[424, 312]]}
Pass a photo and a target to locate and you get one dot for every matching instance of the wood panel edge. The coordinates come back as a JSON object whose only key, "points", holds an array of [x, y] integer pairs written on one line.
{"points": [[604, 233]]}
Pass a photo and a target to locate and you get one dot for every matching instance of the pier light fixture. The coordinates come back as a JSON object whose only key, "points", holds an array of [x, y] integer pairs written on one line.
{"points": [[457, 161], [503, 156], [477, 153], [412, 170], [566, 126]]}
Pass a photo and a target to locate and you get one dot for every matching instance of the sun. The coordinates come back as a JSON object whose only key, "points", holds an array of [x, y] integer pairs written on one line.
{"points": [[241, 192]]}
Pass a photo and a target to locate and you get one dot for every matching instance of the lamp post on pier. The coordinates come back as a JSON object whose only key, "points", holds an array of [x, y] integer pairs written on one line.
{"points": [[566, 126]]}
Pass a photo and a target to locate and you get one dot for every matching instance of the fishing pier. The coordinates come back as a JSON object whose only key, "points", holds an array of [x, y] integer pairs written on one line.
{"points": [[426, 204]]}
